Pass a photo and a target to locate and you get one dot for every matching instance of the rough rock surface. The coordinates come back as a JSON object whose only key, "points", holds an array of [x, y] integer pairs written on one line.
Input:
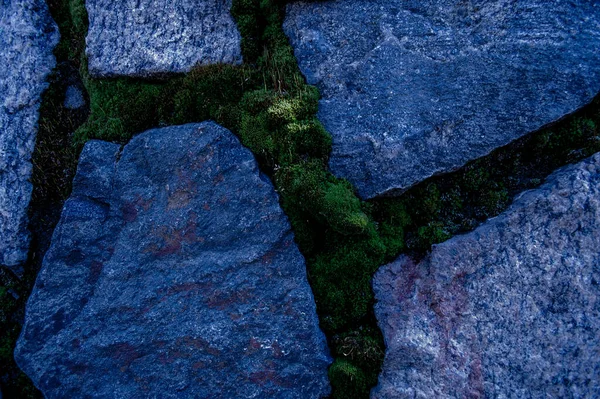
{"points": [[415, 88], [27, 37], [147, 37], [73, 98], [173, 273], [511, 310]]}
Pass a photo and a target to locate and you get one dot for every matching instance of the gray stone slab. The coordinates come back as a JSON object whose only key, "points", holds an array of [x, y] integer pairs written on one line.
{"points": [[149, 37], [510, 310], [416, 88], [27, 37], [173, 272]]}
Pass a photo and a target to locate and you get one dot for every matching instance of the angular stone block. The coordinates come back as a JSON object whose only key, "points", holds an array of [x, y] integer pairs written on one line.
{"points": [[416, 88], [173, 273], [510, 310], [153, 37]]}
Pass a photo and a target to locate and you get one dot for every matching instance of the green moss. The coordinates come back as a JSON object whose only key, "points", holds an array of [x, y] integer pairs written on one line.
{"points": [[340, 278], [119, 108], [79, 18], [330, 202], [444, 206], [347, 380], [267, 103]]}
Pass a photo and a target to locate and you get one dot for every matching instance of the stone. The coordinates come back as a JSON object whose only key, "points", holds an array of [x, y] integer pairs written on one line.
{"points": [[27, 37], [73, 98], [173, 272], [153, 37], [510, 310], [412, 89]]}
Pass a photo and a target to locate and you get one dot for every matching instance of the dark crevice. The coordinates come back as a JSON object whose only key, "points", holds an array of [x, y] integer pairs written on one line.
{"points": [[54, 162], [457, 202]]}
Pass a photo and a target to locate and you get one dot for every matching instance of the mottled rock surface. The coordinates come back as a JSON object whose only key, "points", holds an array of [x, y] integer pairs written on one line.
{"points": [[73, 98], [173, 273], [148, 37], [27, 37], [511, 310], [415, 88]]}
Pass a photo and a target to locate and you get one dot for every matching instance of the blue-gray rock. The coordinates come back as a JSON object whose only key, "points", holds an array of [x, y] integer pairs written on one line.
{"points": [[27, 37], [149, 37], [173, 273], [416, 88], [73, 98], [510, 310]]}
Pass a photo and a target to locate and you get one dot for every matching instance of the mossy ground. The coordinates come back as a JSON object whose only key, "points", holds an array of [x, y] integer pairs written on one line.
{"points": [[267, 103]]}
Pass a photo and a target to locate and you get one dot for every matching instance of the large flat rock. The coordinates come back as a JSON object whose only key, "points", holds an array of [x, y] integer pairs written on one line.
{"points": [[173, 273], [510, 310], [27, 37], [416, 88], [150, 37]]}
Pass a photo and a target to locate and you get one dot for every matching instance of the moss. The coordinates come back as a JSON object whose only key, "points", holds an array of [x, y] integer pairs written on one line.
{"points": [[340, 277], [267, 103], [457, 202], [79, 18], [330, 202], [347, 380]]}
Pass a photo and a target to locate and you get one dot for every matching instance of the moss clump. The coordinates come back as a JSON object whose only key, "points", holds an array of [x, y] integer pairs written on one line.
{"points": [[122, 107], [280, 128], [348, 380]]}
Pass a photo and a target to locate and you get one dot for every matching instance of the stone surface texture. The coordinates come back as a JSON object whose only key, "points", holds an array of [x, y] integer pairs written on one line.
{"points": [[416, 88], [510, 310], [173, 272], [150, 37], [27, 37], [73, 98]]}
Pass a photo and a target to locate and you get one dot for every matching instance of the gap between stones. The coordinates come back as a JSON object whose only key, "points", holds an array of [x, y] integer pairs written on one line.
{"points": [[343, 239]]}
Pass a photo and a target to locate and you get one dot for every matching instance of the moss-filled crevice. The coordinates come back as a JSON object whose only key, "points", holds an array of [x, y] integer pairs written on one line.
{"points": [[455, 203], [267, 103]]}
